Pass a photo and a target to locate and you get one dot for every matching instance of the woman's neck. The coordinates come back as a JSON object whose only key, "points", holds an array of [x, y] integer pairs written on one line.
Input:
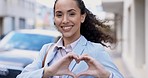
{"points": [[69, 40]]}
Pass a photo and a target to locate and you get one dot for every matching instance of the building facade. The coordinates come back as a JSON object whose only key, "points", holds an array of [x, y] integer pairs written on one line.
{"points": [[44, 17], [131, 31], [134, 36], [16, 14]]}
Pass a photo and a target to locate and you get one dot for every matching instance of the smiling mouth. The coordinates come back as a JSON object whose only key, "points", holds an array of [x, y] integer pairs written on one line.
{"points": [[66, 28]]}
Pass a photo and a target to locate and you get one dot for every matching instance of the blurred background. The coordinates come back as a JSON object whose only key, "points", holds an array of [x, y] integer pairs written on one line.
{"points": [[127, 18]]}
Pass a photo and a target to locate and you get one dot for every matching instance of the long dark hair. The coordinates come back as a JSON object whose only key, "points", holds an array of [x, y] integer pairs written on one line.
{"points": [[92, 28]]}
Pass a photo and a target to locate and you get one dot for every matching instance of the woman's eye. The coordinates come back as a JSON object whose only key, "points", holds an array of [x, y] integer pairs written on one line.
{"points": [[58, 15], [72, 14]]}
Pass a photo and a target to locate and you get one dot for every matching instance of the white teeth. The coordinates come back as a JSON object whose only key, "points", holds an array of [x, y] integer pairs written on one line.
{"points": [[66, 28]]}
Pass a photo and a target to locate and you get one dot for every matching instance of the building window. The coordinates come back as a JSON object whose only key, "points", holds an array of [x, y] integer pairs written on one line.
{"points": [[22, 23], [1, 27], [13, 23]]}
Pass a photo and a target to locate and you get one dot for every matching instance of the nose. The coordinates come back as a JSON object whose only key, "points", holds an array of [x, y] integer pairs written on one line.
{"points": [[65, 19]]}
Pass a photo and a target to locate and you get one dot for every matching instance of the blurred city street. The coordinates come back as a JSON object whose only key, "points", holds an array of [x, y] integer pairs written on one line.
{"points": [[121, 65], [128, 19]]}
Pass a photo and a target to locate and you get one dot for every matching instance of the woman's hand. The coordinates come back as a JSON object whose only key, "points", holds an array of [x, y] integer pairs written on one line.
{"points": [[94, 68], [61, 67]]}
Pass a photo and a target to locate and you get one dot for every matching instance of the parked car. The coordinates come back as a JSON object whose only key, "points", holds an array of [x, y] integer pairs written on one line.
{"points": [[1, 36], [19, 48]]}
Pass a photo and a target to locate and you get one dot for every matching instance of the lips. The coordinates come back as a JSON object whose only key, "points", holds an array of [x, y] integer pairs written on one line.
{"points": [[66, 28]]}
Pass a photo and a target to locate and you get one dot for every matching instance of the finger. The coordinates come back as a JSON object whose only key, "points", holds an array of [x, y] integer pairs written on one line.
{"points": [[85, 73], [74, 56], [84, 57], [88, 59], [70, 56], [72, 74], [91, 61]]}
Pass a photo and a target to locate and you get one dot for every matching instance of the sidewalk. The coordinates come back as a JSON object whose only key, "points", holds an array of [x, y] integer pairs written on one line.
{"points": [[120, 64]]}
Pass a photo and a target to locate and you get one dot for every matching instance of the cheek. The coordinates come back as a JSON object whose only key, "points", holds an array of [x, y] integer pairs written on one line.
{"points": [[57, 22], [78, 22]]}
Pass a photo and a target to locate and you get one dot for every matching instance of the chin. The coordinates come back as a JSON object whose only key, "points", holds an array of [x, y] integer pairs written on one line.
{"points": [[66, 35]]}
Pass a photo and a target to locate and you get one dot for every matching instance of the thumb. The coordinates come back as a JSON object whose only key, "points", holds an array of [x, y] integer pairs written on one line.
{"points": [[85, 73], [72, 74]]}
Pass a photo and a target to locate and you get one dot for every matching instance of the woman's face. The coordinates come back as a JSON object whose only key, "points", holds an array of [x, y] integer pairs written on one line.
{"points": [[68, 18]]}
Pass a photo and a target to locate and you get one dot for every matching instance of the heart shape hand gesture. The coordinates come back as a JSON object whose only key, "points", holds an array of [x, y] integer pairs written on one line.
{"points": [[61, 67]]}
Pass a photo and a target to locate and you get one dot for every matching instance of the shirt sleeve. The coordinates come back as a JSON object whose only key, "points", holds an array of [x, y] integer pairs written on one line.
{"points": [[34, 70], [104, 58]]}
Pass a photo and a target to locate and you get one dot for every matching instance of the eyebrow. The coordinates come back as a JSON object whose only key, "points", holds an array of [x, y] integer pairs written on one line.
{"points": [[68, 11], [71, 10]]}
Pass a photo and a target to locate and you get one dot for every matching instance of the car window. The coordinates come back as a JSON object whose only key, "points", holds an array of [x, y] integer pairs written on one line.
{"points": [[28, 41]]}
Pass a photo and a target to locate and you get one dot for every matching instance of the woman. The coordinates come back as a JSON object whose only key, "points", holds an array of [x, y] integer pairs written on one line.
{"points": [[79, 52]]}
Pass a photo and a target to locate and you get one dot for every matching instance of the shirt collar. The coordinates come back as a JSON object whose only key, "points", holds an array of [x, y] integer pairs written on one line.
{"points": [[72, 45]]}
